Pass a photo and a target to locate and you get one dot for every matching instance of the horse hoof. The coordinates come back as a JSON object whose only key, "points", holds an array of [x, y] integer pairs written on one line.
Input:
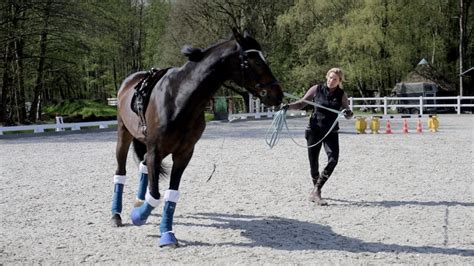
{"points": [[136, 218], [138, 203], [168, 240], [116, 220]]}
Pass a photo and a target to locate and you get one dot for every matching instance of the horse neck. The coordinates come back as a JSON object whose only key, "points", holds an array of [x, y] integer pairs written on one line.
{"points": [[208, 75]]}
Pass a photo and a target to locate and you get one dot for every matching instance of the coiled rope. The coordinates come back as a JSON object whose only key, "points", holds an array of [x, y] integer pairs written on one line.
{"points": [[273, 133]]}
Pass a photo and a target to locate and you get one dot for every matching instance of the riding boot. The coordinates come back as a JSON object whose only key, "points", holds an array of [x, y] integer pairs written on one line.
{"points": [[312, 195], [316, 193]]}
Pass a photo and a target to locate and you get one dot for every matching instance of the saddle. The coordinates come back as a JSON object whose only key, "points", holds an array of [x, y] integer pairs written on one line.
{"points": [[143, 90]]}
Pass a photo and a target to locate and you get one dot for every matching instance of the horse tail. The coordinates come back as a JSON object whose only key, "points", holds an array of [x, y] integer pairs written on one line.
{"points": [[140, 151]]}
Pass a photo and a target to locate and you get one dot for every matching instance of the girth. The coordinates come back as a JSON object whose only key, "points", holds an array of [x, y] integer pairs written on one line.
{"points": [[143, 90]]}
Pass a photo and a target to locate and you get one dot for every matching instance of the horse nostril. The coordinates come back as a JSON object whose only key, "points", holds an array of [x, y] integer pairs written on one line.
{"points": [[263, 93]]}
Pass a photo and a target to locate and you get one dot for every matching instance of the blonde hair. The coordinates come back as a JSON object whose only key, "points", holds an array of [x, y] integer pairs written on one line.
{"points": [[338, 72]]}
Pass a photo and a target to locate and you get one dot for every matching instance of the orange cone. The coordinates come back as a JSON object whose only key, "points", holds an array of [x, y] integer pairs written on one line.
{"points": [[419, 127], [405, 126], [388, 128]]}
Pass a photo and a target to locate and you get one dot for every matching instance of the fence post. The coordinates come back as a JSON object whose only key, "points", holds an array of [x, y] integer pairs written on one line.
{"points": [[59, 122], [385, 105], [251, 103], [459, 104], [421, 105], [257, 108], [351, 104]]}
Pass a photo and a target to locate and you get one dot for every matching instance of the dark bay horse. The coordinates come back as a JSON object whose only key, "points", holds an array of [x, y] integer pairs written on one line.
{"points": [[175, 120]]}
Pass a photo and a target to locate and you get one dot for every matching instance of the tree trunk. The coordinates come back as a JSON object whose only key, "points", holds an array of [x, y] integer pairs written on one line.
{"points": [[7, 86], [140, 36], [37, 91], [115, 77], [7, 92], [20, 91]]}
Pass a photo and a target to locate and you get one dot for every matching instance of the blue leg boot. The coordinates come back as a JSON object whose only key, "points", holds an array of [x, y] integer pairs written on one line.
{"points": [[166, 226], [140, 215], [117, 200], [167, 238], [142, 185]]}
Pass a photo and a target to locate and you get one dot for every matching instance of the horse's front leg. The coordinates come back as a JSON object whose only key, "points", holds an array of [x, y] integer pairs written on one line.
{"points": [[152, 197], [180, 162], [124, 138]]}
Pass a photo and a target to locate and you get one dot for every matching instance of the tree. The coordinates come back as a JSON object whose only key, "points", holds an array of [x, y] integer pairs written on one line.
{"points": [[203, 22]]}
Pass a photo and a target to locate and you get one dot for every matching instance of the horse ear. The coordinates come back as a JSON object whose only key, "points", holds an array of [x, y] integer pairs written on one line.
{"points": [[237, 36], [193, 54]]}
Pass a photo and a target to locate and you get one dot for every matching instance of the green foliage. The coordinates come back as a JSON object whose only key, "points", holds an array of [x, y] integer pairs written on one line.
{"points": [[85, 49], [220, 105], [82, 107], [208, 117]]}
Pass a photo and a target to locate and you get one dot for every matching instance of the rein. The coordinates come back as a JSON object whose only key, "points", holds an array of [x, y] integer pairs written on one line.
{"points": [[273, 133]]}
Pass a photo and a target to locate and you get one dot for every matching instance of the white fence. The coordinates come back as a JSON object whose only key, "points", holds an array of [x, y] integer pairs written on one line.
{"points": [[420, 103], [59, 126], [258, 110]]}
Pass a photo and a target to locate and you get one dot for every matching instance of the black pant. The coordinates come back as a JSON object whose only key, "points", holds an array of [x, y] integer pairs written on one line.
{"points": [[331, 146]]}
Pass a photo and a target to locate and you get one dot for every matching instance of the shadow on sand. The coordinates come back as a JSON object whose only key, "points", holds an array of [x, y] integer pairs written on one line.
{"points": [[290, 234], [396, 203]]}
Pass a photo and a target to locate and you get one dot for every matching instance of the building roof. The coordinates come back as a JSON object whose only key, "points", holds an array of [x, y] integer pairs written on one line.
{"points": [[415, 87], [425, 73]]}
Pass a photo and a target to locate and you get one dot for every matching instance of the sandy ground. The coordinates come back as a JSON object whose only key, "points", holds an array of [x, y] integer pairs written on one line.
{"points": [[394, 199]]}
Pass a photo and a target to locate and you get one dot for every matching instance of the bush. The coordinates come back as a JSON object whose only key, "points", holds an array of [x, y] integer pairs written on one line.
{"points": [[220, 105], [82, 110]]}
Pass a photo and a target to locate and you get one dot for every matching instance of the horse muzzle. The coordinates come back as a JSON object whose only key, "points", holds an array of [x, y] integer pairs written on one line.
{"points": [[270, 93]]}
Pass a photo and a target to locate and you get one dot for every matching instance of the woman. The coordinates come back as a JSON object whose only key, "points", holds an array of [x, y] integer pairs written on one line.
{"points": [[332, 96]]}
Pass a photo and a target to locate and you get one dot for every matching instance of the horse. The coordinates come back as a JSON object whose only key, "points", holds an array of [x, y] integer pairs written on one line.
{"points": [[175, 120]]}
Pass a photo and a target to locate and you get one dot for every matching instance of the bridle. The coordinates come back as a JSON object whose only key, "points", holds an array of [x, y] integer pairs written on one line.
{"points": [[244, 64]]}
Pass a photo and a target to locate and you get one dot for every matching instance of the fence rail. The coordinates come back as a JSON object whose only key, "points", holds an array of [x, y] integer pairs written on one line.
{"points": [[385, 103], [59, 126], [420, 103]]}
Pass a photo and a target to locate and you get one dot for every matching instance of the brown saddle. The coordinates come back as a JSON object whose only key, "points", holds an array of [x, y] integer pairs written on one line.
{"points": [[143, 89]]}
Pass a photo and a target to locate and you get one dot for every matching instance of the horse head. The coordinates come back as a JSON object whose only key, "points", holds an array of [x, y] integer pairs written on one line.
{"points": [[255, 74]]}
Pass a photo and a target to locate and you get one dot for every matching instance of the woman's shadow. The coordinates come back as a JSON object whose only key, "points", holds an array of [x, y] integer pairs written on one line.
{"points": [[289, 234]]}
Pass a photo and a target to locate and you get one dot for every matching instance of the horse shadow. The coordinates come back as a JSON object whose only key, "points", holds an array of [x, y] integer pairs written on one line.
{"points": [[291, 235]]}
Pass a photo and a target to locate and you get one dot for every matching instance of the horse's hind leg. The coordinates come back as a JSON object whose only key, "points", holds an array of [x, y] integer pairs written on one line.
{"points": [[180, 162], [124, 138], [140, 150], [152, 196]]}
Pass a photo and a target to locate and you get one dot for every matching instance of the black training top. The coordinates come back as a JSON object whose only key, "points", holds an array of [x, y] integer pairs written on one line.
{"points": [[322, 119]]}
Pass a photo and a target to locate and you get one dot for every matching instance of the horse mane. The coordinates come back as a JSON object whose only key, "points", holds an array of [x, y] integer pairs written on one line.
{"points": [[193, 54], [197, 54]]}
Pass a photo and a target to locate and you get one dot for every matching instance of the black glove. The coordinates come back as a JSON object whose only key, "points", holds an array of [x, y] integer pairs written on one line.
{"points": [[347, 113], [285, 107]]}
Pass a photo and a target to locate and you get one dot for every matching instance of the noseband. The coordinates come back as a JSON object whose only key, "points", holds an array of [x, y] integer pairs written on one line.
{"points": [[244, 64]]}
